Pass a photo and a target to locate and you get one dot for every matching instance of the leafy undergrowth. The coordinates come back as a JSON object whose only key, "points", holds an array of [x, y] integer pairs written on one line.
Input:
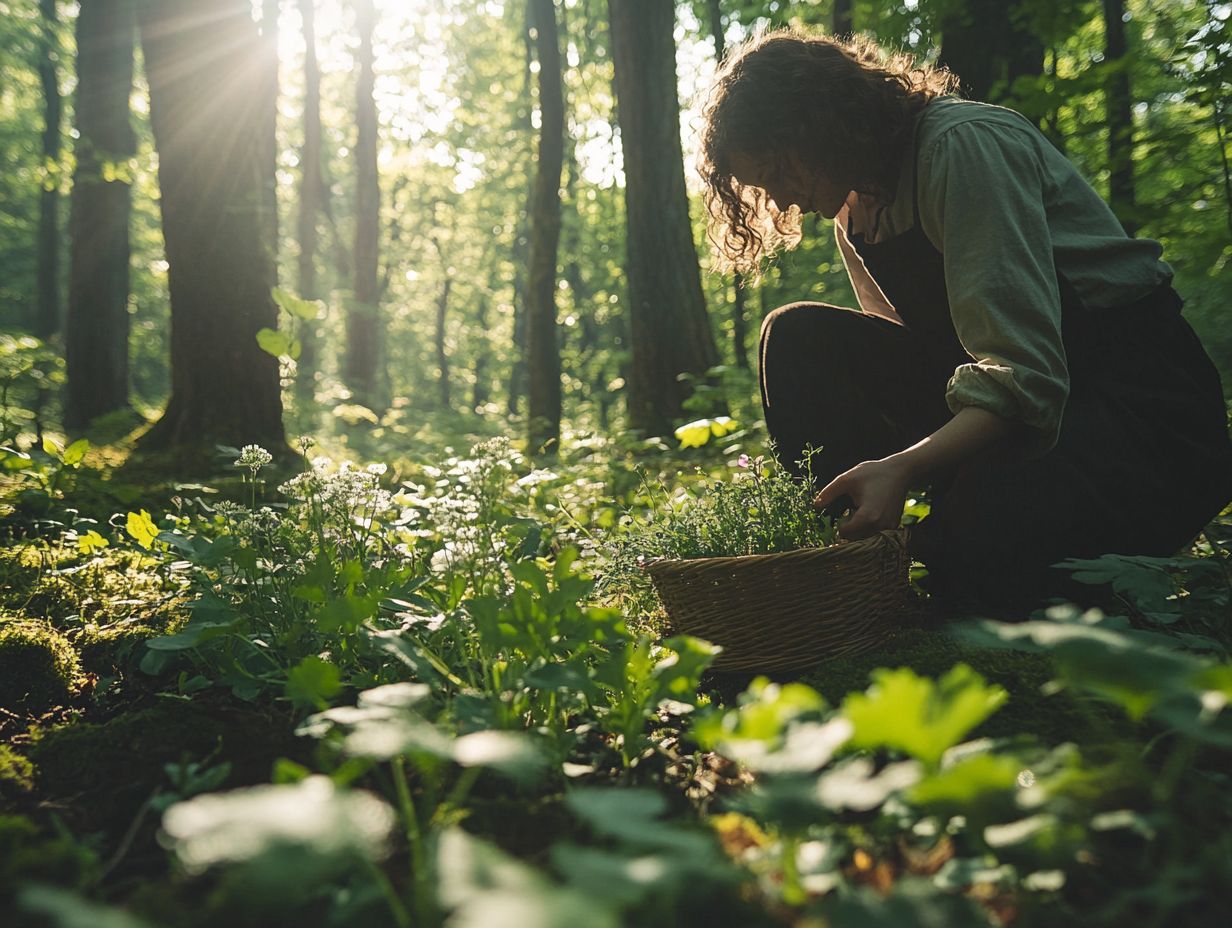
{"points": [[391, 695]]}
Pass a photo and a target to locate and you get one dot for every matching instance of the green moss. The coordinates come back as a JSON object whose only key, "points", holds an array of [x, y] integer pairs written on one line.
{"points": [[932, 652], [28, 855], [116, 586], [54, 597], [16, 772], [38, 667], [110, 769], [114, 650]]}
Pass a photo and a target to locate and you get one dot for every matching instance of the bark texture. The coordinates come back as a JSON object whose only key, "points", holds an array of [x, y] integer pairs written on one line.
{"points": [[543, 347], [311, 198], [96, 334], [46, 321], [842, 21], [443, 393], [362, 360], [669, 329], [989, 45], [204, 65]]}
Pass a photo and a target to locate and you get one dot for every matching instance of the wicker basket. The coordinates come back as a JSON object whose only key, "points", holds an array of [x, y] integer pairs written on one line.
{"points": [[793, 610]]}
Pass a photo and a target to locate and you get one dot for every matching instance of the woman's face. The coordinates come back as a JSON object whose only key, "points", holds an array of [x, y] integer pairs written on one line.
{"points": [[791, 182]]}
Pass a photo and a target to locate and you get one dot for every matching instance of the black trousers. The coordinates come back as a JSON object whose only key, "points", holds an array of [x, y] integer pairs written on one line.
{"points": [[1142, 464]]}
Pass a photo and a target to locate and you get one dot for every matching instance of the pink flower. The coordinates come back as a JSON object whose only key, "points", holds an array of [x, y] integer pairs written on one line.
{"points": [[743, 461]]}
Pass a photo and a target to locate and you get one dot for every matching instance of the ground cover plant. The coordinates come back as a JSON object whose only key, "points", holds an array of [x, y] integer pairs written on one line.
{"points": [[410, 669], [393, 693]]}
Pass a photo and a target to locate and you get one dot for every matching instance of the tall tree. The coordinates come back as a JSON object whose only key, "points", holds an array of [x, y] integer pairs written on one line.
{"points": [[311, 191], [96, 334], [667, 311], [989, 44], [204, 66], [520, 250], [1118, 99], [443, 393], [543, 346], [46, 322], [269, 55], [842, 17], [739, 314], [363, 328]]}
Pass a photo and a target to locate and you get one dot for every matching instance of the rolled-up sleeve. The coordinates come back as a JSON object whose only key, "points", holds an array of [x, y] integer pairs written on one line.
{"points": [[982, 204]]}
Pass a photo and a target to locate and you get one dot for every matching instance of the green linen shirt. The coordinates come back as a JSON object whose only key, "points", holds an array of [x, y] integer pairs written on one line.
{"points": [[1008, 212]]}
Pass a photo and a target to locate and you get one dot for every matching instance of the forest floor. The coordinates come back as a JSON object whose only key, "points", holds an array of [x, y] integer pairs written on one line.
{"points": [[390, 693]]}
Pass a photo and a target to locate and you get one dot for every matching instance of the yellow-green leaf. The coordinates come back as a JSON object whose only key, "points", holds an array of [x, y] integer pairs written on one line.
{"points": [[919, 716], [308, 310], [90, 542], [141, 528], [75, 453], [697, 433], [279, 344]]}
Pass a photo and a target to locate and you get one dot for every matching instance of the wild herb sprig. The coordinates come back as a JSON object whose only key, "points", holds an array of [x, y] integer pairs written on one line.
{"points": [[761, 509]]}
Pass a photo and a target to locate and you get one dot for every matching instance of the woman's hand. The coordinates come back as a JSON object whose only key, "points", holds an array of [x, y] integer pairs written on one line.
{"points": [[877, 489]]}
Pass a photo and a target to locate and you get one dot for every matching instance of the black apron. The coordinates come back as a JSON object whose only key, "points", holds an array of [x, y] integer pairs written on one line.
{"points": [[1142, 463]]}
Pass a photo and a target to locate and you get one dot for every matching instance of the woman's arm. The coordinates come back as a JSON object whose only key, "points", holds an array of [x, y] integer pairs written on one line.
{"points": [[872, 301], [878, 488]]}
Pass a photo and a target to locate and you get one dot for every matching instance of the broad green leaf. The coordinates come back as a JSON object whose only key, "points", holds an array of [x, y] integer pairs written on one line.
{"points": [[52, 447], [632, 816], [308, 310], [468, 867], [486, 887], [765, 711], [912, 901], [510, 753], [395, 695], [854, 785], [395, 733], [284, 833], [918, 716], [679, 674], [279, 344], [75, 453], [976, 782], [313, 682], [60, 908]]}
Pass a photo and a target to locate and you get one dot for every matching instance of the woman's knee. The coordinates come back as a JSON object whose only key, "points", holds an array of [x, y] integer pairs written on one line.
{"points": [[801, 324]]}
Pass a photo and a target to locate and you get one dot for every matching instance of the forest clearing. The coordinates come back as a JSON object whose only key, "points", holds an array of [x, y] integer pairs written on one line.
{"points": [[403, 523]]}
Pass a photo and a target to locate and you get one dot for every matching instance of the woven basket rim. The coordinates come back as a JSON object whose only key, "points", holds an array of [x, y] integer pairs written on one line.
{"points": [[894, 535]]}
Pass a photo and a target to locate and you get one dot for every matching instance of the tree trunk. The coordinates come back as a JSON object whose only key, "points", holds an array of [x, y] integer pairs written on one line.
{"points": [[481, 392], [1119, 103], [667, 311], [269, 133], [311, 195], [442, 356], [363, 321], [988, 44], [203, 61], [542, 343], [46, 321], [842, 22], [739, 326], [96, 334], [520, 256]]}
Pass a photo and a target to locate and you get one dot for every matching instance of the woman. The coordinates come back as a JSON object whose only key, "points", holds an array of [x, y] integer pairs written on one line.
{"points": [[1014, 348]]}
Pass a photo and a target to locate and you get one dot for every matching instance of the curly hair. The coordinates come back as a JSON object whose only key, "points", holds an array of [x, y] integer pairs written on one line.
{"points": [[846, 107]]}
